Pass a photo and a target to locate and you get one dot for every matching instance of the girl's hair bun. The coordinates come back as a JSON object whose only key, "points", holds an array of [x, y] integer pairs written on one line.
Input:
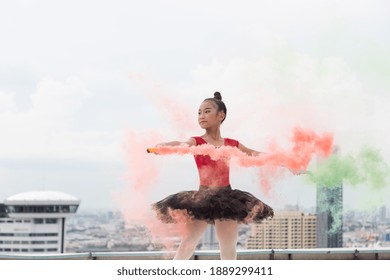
{"points": [[217, 99], [217, 95]]}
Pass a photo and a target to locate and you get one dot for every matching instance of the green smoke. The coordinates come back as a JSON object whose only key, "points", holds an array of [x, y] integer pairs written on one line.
{"points": [[367, 167]]}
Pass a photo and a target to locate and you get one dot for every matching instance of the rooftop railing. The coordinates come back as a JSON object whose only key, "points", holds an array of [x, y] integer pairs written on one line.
{"points": [[274, 254]]}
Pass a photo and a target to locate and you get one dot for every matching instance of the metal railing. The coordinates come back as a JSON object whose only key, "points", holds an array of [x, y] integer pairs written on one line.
{"points": [[274, 254]]}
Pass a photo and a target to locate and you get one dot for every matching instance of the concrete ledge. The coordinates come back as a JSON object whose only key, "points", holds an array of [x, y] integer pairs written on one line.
{"points": [[76, 256], [277, 254]]}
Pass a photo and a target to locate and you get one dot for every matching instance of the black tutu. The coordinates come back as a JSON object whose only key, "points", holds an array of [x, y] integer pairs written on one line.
{"points": [[210, 204]]}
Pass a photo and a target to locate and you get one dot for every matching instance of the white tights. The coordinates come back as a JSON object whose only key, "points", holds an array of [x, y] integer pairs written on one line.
{"points": [[227, 232]]}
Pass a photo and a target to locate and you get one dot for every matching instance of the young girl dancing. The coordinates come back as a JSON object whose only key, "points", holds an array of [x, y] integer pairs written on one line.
{"points": [[215, 202]]}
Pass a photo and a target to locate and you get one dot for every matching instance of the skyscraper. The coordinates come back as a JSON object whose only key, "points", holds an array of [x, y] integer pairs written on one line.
{"points": [[329, 208]]}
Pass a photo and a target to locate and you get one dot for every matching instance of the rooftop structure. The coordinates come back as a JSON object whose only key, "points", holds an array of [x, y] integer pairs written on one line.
{"points": [[34, 222], [42, 197]]}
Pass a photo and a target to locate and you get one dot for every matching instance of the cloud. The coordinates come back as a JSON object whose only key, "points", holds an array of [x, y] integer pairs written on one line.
{"points": [[7, 103], [48, 128]]}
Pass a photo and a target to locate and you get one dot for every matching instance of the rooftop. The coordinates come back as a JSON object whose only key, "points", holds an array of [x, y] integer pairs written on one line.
{"points": [[41, 198]]}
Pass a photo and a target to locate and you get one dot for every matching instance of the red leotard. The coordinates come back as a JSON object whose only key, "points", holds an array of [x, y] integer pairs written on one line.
{"points": [[213, 173]]}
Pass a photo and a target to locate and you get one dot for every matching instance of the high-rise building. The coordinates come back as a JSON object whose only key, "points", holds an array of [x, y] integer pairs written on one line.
{"points": [[209, 239], [329, 209], [329, 217], [382, 214], [286, 230], [34, 222]]}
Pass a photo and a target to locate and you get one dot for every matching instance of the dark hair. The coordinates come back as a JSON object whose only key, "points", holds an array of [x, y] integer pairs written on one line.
{"points": [[218, 100]]}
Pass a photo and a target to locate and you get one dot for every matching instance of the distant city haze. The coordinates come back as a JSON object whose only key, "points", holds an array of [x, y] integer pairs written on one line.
{"points": [[87, 86]]}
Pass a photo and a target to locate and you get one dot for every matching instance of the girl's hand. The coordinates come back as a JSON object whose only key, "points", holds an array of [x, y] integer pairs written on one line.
{"points": [[151, 150]]}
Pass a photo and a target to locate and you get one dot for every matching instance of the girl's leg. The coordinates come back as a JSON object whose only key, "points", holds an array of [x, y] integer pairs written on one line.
{"points": [[227, 233], [192, 233]]}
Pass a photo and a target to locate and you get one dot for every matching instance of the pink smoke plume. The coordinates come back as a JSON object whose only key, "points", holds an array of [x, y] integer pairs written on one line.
{"points": [[179, 114], [134, 199], [306, 144], [140, 176]]}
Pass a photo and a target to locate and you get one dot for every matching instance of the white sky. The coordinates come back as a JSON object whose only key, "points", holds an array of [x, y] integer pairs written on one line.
{"points": [[75, 76]]}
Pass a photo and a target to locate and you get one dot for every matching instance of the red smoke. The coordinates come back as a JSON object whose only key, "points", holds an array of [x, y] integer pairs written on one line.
{"points": [[134, 199], [306, 144]]}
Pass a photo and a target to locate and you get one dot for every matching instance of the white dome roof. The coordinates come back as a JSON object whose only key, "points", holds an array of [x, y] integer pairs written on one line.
{"points": [[41, 197]]}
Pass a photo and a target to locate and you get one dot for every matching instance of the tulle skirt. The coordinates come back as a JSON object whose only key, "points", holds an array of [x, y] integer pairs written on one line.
{"points": [[210, 204]]}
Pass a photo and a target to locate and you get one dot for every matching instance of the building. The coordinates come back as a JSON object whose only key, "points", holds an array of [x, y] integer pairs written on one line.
{"points": [[34, 222], [329, 208], [382, 215], [209, 239], [329, 217], [286, 230]]}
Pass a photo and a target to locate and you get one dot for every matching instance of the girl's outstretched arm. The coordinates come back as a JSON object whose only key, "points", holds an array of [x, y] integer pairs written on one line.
{"points": [[248, 151], [251, 152], [190, 142]]}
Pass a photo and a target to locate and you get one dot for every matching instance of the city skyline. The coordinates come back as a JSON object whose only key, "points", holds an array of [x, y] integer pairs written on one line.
{"points": [[360, 230], [28, 214]]}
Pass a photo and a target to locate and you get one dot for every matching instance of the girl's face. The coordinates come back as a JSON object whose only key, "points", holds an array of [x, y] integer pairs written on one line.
{"points": [[208, 115]]}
